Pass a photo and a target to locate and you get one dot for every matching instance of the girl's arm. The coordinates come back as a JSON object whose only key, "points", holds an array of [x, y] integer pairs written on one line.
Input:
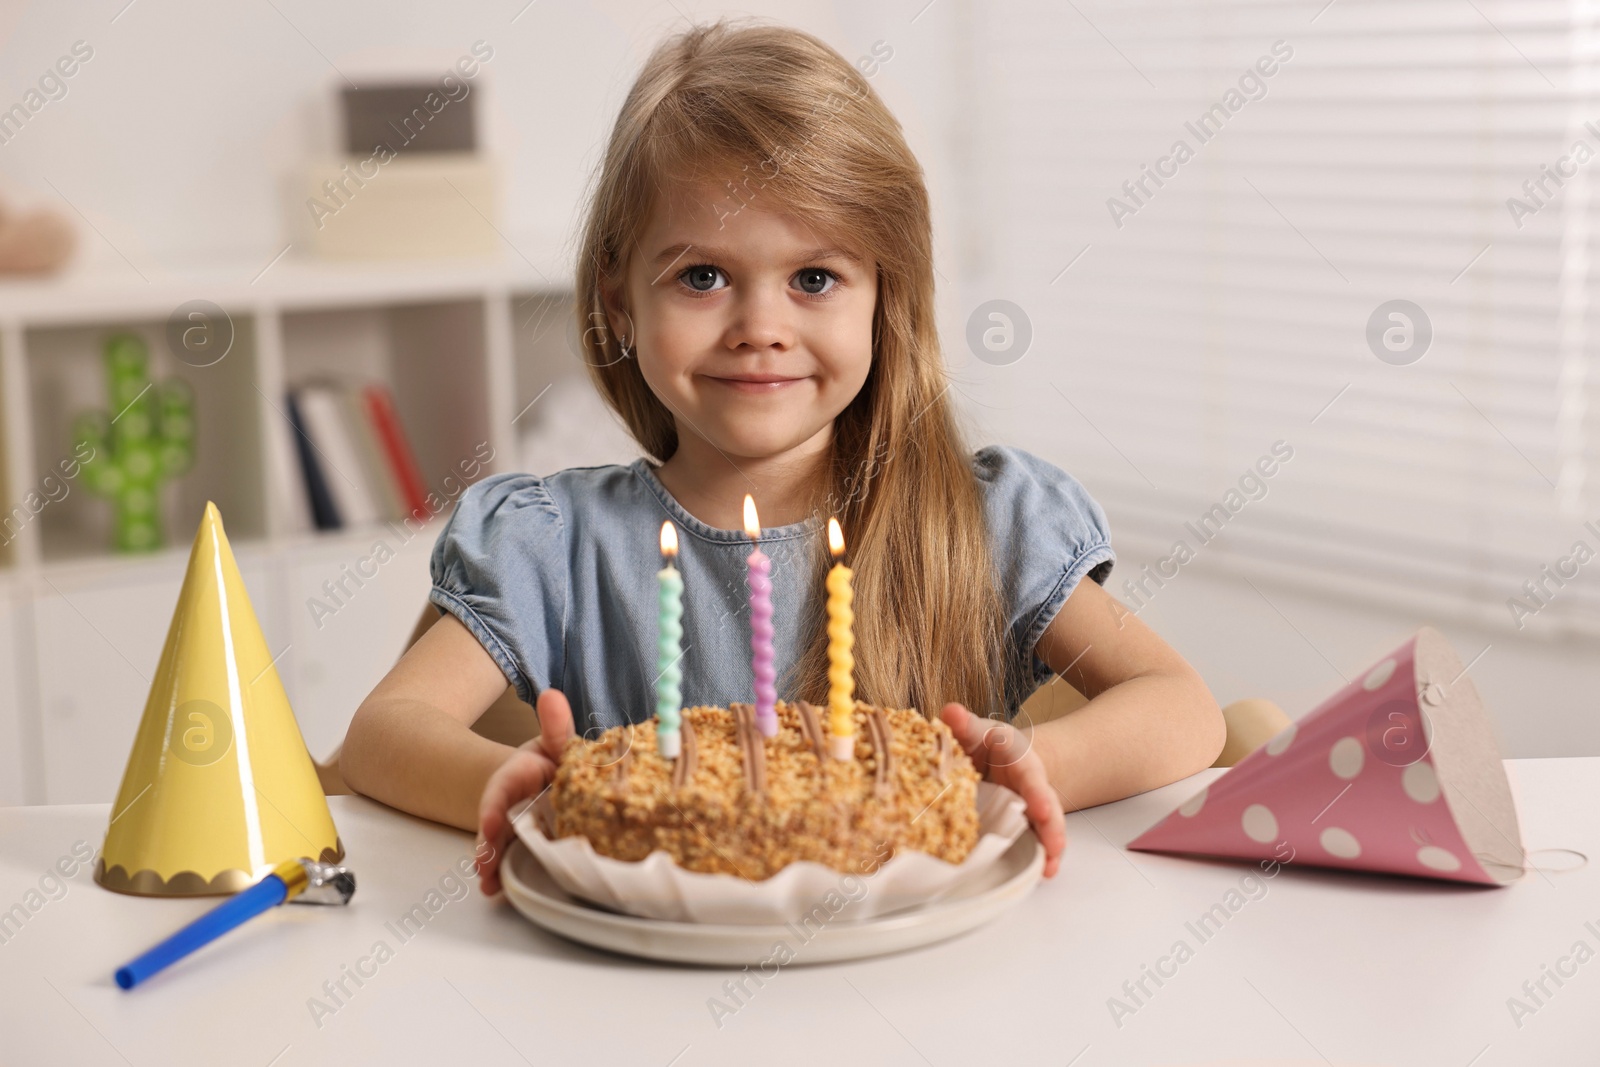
{"points": [[1150, 719], [411, 743]]}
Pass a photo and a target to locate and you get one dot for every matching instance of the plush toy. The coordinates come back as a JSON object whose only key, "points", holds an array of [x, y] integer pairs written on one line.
{"points": [[35, 243], [1251, 723], [146, 438]]}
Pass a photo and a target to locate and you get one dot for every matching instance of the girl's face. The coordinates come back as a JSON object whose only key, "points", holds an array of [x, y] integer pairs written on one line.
{"points": [[755, 331]]}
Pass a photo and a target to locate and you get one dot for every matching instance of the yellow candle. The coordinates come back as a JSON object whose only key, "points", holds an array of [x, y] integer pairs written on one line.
{"points": [[841, 663]]}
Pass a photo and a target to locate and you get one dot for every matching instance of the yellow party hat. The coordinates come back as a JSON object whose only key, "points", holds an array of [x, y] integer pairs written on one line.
{"points": [[219, 787]]}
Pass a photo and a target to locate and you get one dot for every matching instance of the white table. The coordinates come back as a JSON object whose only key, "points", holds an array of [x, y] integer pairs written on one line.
{"points": [[1323, 967]]}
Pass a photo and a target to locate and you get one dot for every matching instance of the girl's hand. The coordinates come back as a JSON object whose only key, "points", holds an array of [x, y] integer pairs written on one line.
{"points": [[1003, 756], [528, 772]]}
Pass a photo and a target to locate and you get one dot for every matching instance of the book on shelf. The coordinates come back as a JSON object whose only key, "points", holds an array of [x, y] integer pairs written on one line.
{"points": [[402, 462], [288, 480], [374, 465], [356, 465], [335, 441], [324, 512]]}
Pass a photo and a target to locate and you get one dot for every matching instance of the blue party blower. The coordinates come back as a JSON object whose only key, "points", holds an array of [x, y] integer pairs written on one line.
{"points": [[301, 881]]}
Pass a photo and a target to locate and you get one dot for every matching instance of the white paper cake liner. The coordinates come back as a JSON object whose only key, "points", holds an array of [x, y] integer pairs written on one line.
{"points": [[657, 888]]}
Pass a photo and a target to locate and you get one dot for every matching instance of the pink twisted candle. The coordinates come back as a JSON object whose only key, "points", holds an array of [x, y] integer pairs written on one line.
{"points": [[761, 657]]}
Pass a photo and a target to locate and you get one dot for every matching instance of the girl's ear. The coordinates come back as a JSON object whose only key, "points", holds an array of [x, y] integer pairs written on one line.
{"points": [[613, 297]]}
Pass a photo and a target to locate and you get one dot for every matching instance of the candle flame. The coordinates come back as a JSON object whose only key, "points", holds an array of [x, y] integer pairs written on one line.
{"points": [[835, 538], [669, 539], [752, 525]]}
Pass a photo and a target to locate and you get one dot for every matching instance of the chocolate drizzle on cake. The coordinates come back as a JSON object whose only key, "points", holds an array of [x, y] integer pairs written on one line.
{"points": [[751, 749], [943, 745], [878, 724], [683, 766], [811, 727]]}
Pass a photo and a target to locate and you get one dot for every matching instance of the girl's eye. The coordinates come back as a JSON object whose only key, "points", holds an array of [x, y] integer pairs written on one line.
{"points": [[702, 278], [815, 280], [705, 278]]}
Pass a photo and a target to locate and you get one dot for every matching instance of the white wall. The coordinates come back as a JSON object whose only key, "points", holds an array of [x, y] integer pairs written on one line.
{"points": [[173, 138]]}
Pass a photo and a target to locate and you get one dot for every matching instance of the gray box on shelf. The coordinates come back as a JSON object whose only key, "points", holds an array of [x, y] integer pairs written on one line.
{"points": [[400, 116]]}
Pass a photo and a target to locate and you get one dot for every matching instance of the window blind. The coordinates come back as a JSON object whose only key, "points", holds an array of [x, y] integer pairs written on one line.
{"points": [[1206, 210]]}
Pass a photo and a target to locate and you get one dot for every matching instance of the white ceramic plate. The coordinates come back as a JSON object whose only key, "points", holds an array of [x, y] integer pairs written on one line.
{"points": [[657, 888], [535, 894]]}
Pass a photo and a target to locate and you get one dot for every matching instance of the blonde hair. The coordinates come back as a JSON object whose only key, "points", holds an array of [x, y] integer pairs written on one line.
{"points": [[797, 126]]}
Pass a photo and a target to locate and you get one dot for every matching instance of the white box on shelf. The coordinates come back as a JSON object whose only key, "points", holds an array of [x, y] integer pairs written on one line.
{"points": [[441, 205]]}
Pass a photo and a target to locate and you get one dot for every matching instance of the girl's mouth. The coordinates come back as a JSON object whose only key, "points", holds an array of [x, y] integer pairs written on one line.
{"points": [[755, 383]]}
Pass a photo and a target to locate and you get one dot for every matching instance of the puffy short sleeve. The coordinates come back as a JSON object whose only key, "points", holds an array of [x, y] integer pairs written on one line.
{"points": [[1047, 532], [500, 566]]}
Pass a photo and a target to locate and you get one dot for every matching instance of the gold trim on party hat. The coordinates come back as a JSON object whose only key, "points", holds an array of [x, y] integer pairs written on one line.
{"points": [[219, 787], [187, 883]]}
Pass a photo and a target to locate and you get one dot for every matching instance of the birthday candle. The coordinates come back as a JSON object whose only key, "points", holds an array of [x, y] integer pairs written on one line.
{"points": [[841, 663], [669, 679], [760, 580]]}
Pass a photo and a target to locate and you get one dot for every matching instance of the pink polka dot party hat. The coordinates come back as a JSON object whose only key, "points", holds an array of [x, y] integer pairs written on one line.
{"points": [[1398, 772]]}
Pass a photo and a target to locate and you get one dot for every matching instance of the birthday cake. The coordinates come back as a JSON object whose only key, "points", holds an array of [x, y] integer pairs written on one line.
{"points": [[735, 802]]}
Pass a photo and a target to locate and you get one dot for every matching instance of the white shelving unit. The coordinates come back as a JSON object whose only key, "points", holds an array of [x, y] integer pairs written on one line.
{"points": [[464, 346]]}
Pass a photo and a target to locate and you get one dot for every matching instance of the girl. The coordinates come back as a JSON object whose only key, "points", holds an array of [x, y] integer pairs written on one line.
{"points": [[756, 301]]}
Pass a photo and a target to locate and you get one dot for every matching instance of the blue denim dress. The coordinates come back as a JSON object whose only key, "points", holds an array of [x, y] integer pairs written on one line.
{"points": [[556, 578]]}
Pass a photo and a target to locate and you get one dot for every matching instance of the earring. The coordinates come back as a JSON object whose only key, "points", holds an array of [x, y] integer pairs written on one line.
{"points": [[624, 343]]}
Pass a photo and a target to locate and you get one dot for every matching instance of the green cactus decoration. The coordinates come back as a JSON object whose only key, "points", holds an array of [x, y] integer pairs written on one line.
{"points": [[146, 438]]}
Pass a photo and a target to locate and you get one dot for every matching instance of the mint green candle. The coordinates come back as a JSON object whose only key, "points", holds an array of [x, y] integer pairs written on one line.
{"points": [[669, 679]]}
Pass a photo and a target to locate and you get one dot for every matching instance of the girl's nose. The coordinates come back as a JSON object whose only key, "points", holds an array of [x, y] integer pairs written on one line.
{"points": [[761, 320]]}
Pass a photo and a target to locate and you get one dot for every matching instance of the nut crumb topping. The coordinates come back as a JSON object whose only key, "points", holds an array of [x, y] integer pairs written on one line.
{"points": [[909, 787]]}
